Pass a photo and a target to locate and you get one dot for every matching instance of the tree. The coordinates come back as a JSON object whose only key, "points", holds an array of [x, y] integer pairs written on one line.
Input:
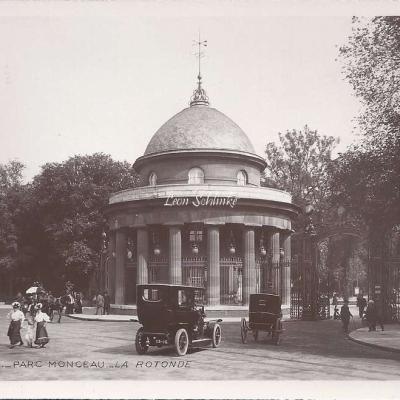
{"points": [[11, 193], [67, 203], [299, 165], [366, 176], [10, 186]]}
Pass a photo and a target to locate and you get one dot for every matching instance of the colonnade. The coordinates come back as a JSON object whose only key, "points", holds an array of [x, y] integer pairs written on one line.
{"points": [[276, 241]]}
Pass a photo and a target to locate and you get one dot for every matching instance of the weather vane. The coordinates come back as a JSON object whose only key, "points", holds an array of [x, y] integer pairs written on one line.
{"points": [[200, 54], [199, 96]]}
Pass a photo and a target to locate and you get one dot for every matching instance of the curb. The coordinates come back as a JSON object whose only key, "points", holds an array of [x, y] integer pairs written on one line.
{"points": [[132, 319], [376, 346], [99, 319]]}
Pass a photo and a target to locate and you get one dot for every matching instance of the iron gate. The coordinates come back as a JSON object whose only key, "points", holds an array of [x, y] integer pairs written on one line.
{"points": [[384, 286], [307, 297]]}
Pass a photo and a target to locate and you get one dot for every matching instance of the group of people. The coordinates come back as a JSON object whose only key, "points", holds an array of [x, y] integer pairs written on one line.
{"points": [[370, 311], [33, 323]]}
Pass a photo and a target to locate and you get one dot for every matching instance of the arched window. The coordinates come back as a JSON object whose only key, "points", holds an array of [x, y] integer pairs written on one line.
{"points": [[241, 178], [153, 179], [196, 176]]}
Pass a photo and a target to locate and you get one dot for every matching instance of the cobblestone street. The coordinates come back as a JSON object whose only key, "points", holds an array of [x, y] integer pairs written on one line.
{"points": [[105, 350]]}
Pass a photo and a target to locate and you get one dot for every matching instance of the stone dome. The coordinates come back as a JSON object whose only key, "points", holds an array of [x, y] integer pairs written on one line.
{"points": [[199, 128]]}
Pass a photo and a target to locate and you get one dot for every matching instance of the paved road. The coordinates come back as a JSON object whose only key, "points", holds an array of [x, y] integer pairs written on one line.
{"points": [[309, 351]]}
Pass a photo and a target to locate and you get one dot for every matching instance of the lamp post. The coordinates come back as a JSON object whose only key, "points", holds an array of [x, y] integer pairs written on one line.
{"points": [[310, 235]]}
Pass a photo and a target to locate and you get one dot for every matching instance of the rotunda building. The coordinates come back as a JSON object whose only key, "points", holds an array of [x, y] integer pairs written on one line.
{"points": [[200, 216]]}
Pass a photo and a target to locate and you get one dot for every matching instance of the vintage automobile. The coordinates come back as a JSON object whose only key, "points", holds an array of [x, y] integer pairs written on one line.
{"points": [[265, 315], [170, 315]]}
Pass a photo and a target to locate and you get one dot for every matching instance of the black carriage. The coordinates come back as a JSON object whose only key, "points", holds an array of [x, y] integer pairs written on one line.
{"points": [[265, 315], [172, 315]]}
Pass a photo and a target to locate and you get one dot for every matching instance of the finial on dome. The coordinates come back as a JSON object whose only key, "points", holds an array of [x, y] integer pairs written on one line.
{"points": [[199, 96]]}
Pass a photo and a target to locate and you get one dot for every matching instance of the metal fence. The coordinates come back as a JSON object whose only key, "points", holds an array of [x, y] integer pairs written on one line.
{"points": [[231, 274], [305, 293], [194, 271], [384, 286], [158, 270]]}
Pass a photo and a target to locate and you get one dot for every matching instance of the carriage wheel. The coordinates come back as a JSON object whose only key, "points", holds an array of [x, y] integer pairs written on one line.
{"points": [[216, 335], [255, 335], [140, 342], [181, 342], [243, 330]]}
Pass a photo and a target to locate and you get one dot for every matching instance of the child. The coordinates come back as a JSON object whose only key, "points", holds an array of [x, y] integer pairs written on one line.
{"points": [[29, 335]]}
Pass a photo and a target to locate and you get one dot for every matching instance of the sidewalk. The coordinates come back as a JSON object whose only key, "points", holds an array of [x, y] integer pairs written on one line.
{"points": [[388, 340]]}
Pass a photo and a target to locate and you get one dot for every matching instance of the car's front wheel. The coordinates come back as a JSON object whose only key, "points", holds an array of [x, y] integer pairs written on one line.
{"points": [[141, 342], [181, 342], [216, 335]]}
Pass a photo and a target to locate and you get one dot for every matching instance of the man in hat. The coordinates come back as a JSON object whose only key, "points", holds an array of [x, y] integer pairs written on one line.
{"points": [[345, 315], [371, 315], [16, 316]]}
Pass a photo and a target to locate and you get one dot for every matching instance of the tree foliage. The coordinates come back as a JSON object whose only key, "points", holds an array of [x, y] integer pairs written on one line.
{"points": [[50, 229], [366, 177], [10, 188], [299, 165], [69, 198]]}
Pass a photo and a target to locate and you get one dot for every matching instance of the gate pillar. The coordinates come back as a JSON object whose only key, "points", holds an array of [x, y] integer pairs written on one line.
{"points": [[249, 264], [275, 250], [213, 272], [142, 276], [285, 279], [175, 255], [120, 257]]}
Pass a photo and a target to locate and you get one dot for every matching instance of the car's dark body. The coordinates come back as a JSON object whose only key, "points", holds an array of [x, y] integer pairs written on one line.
{"points": [[265, 314], [168, 311]]}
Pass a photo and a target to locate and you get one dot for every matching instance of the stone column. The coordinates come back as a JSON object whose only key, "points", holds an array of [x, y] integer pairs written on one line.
{"points": [[110, 266], [286, 245], [120, 257], [213, 268], [275, 247], [249, 264], [175, 255], [142, 276]]}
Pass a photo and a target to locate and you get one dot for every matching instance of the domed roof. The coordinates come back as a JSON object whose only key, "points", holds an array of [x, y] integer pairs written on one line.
{"points": [[199, 127]]}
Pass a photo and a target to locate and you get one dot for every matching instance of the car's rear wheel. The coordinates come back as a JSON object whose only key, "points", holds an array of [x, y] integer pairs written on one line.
{"points": [[243, 330], [216, 335], [141, 342], [181, 342]]}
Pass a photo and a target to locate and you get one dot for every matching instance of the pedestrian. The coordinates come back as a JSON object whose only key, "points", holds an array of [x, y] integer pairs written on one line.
{"points": [[16, 316], [345, 316], [70, 301], [335, 304], [371, 315], [107, 303], [99, 303], [41, 319], [361, 304], [78, 303], [30, 333]]}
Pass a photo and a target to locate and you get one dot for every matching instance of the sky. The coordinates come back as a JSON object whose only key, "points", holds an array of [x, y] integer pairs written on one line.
{"points": [[79, 83]]}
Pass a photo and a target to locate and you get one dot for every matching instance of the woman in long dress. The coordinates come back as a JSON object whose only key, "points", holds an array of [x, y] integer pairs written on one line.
{"points": [[41, 319], [16, 316]]}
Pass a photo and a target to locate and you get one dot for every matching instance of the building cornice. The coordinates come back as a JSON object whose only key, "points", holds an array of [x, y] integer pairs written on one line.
{"points": [[254, 159]]}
